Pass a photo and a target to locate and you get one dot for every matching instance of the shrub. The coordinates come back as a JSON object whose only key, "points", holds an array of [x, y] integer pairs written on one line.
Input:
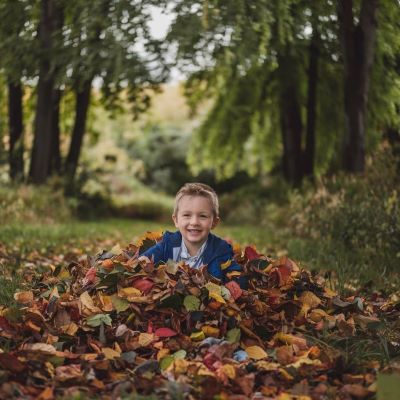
{"points": [[353, 221], [26, 203]]}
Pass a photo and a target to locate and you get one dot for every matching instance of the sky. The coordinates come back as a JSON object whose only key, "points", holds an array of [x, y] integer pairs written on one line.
{"points": [[159, 27]]}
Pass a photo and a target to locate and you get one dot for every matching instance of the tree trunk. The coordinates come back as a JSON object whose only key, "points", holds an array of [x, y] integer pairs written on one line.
{"points": [[16, 129], [290, 118], [55, 160], [46, 95], [81, 110], [309, 152], [358, 45]]}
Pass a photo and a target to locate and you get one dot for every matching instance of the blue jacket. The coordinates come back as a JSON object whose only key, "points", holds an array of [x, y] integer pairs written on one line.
{"points": [[217, 252]]}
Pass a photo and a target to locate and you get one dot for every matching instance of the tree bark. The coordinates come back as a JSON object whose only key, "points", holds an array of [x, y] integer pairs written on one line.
{"points": [[55, 160], [46, 95], [81, 110], [358, 45], [290, 118], [309, 151], [16, 129]]}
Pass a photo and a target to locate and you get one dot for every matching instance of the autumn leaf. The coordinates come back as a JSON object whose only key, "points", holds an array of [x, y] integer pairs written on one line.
{"points": [[251, 253], [234, 289], [165, 332], [191, 303], [24, 297], [256, 352]]}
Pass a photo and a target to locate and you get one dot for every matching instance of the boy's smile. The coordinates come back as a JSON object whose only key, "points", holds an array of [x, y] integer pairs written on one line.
{"points": [[194, 219]]}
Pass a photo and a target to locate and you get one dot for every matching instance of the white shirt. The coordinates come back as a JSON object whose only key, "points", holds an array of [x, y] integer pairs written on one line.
{"points": [[182, 254]]}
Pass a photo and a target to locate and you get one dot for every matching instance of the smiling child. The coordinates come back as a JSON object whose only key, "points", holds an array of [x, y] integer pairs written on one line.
{"points": [[196, 213]]}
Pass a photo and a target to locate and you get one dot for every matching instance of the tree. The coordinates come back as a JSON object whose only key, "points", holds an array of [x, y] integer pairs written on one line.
{"points": [[261, 44], [105, 34], [16, 62], [358, 44], [45, 127]]}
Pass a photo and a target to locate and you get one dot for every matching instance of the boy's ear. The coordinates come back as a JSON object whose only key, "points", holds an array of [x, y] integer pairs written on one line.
{"points": [[175, 219], [215, 222]]}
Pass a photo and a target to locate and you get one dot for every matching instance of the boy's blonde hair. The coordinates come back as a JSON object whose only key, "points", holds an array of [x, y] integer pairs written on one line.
{"points": [[198, 189]]}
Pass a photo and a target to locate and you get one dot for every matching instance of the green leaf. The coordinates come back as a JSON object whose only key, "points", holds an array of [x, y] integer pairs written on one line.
{"points": [[98, 319], [233, 335], [191, 303], [180, 354], [388, 386], [119, 304], [165, 362]]}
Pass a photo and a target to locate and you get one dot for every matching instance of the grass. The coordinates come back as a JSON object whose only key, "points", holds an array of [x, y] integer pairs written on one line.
{"points": [[21, 244], [24, 241]]}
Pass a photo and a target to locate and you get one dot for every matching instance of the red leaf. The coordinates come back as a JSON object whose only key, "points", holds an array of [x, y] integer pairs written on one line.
{"points": [[165, 332], [11, 363], [251, 253], [144, 285], [234, 288], [90, 276]]}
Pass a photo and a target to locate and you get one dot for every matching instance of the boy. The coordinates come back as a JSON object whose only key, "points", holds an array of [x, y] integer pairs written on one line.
{"points": [[196, 213]]}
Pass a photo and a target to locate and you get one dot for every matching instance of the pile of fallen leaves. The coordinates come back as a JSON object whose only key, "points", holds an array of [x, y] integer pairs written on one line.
{"points": [[112, 326]]}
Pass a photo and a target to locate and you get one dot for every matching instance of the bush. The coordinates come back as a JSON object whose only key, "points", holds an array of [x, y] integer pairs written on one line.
{"points": [[26, 204], [351, 221]]}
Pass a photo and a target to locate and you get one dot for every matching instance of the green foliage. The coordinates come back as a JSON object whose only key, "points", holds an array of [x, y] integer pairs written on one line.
{"points": [[354, 220], [8, 287], [163, 151], [30, 204]]}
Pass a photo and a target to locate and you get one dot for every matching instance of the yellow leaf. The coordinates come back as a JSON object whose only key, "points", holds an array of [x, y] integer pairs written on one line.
{"points": [[180, 366], [226, 264], [88, 306], [232, 274], [110, 353], [129, 292], [291, 339], [210, 331], [317, 315], [197, 336], [330, 293], [213, 288], [217, 297], [267, 366], [69, 329], [64, 275], [302, 361], [146, 338], [106, 302], [162, 353], [229, 371], [309, 301], [256, 352], [285, 374]]}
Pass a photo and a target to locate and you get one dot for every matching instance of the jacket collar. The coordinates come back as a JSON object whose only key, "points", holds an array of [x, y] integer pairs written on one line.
{"points": [[212, 250]]}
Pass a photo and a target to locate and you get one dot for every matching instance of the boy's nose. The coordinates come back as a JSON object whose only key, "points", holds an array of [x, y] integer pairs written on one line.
{"points": [[194, 219]]}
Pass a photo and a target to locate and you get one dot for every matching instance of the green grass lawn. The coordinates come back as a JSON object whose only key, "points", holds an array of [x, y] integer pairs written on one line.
{"points": [[24, 238]]}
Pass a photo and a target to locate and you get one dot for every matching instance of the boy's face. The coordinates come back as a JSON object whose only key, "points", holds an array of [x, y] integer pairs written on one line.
{"points": [[195, 219]]}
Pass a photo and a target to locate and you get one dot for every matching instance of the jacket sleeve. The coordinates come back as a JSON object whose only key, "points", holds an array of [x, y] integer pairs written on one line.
{"points": [[156, 252]]}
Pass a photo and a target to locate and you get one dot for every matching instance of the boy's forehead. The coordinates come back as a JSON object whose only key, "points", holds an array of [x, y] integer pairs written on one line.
{"points": [[188, 201]]}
